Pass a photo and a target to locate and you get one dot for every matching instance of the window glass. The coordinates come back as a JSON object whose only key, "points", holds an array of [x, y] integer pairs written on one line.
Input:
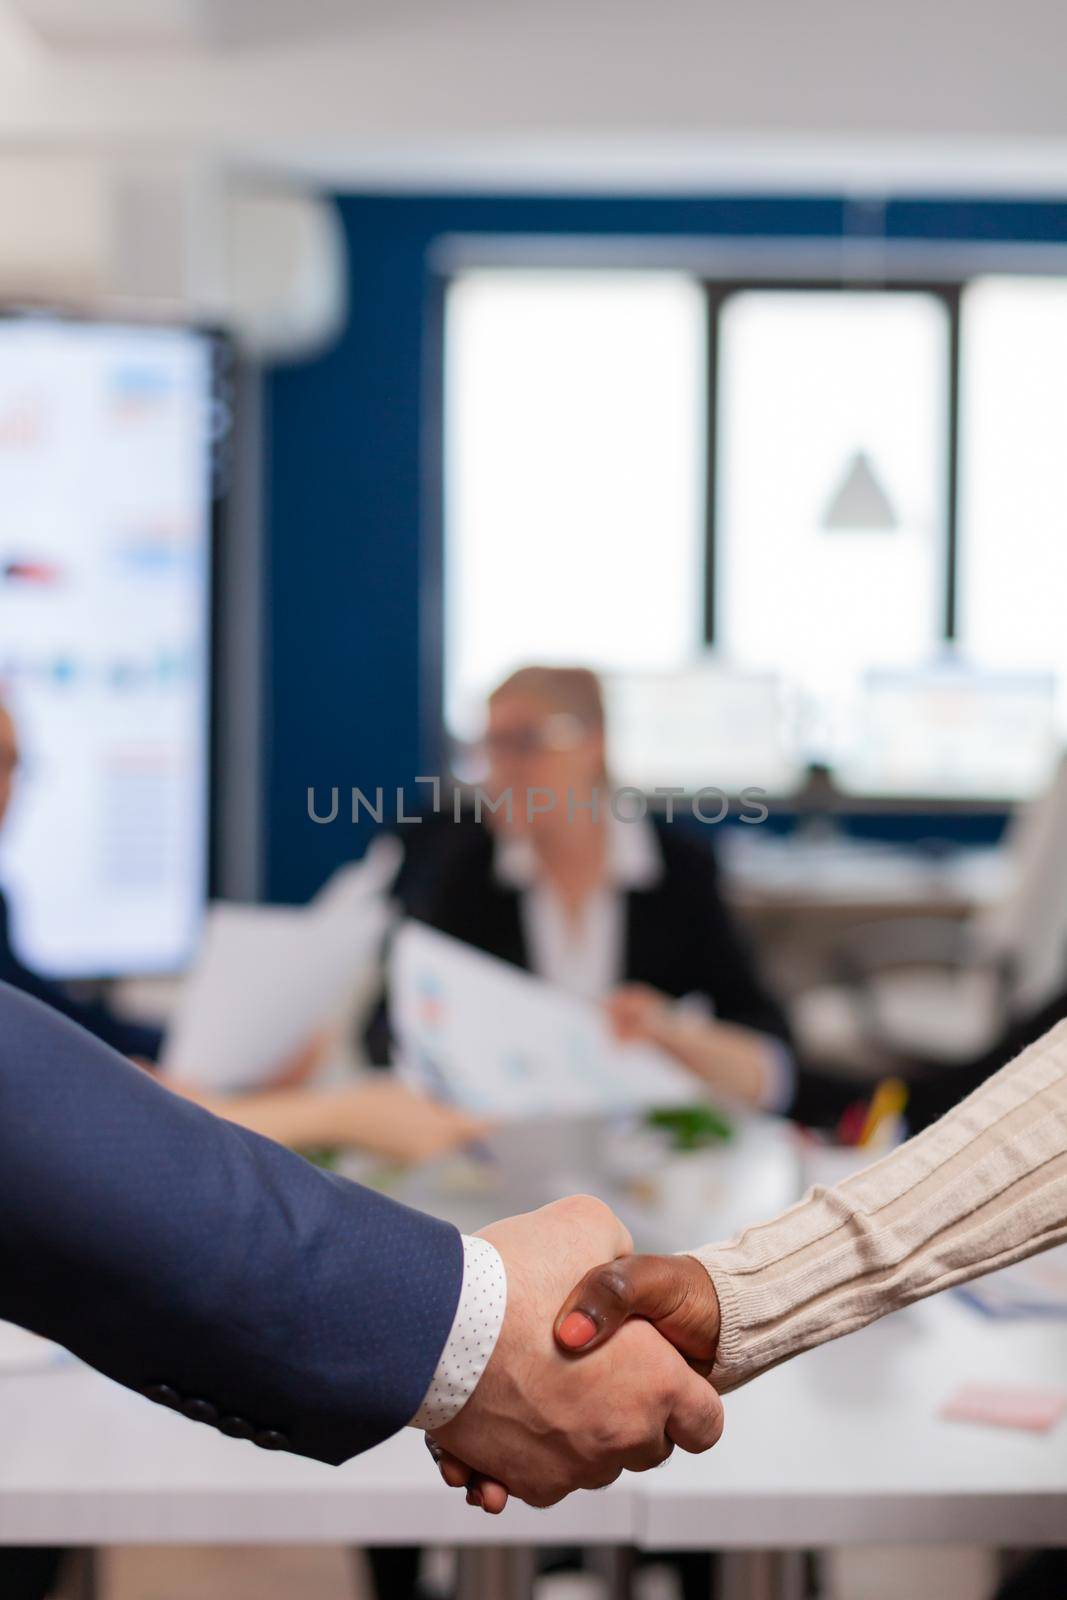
{"points": [[575, 447], [1013, 476], [831, 492]]}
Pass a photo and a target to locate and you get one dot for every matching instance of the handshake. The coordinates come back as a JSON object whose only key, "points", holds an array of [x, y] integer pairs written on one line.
{"points": [[584, 1381]]}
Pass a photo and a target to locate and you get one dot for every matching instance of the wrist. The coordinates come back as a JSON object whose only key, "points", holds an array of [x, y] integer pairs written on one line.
{"points": [[699, 1314], [670, 1026]]}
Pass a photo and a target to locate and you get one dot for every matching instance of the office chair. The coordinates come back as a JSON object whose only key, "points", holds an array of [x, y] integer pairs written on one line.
{"points": [[938, 989]]}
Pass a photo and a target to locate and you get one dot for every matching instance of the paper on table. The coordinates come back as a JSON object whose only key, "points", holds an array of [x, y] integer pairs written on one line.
{"points": [[267, 977], [1036, 1287], [1007, 1405], [498, 1041]]}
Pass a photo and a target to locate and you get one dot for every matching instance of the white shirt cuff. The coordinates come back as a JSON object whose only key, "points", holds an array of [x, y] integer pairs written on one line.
{"points": [[475, 1328]]}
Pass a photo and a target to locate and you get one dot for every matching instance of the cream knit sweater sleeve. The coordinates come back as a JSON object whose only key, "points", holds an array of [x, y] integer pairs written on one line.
{"points": [[983, 1187]]}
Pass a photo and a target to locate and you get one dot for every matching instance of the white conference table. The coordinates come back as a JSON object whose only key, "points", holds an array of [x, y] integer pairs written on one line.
{"points": [[844, 1445]]}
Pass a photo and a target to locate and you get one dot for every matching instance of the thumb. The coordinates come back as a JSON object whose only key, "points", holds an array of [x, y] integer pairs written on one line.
{"points": [[674, 1293]]}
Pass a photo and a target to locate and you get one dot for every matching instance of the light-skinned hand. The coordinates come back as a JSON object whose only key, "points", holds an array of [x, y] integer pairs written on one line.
{"points": [[635, 1011], [377, 1114], [545, 1424], [673, 1293], [733, 1060]]}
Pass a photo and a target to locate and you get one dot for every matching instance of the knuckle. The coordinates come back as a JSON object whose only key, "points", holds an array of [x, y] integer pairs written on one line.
{"points": [[644, 1434], [603, 1478], [593, 1210], [548, 1494], [597, 1216], [661, 1384], [612, 1285]]}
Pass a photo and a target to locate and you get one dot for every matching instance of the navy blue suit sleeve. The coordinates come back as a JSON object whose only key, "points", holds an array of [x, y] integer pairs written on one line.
{"points": [[202, 1264]]}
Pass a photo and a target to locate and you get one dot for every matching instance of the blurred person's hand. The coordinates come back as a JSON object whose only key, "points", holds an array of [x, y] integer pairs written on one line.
{"points": [[734, 1061], [376, 1114], [384, 1116], [637, 1012], [301, 1065], [291, 1072], [545, 1424]]}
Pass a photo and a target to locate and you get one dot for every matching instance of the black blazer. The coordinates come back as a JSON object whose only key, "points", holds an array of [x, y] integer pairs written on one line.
{"points": [[128, 1038], [680, 936]]}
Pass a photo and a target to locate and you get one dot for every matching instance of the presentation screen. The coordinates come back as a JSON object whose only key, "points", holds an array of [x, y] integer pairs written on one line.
{"points": [[107, 470]]}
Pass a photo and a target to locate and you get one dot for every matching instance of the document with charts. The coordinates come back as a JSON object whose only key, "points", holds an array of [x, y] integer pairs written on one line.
{"points": [[489, 1037]]}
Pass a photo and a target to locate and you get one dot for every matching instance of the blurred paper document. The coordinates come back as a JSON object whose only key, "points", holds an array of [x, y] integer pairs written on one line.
{"points": [[266, 979], [1036, 1287], [494, 1039], [1007, 1405]]}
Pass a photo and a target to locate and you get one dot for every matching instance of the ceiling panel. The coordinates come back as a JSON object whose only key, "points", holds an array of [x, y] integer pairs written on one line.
{"points": [[106, 25]]}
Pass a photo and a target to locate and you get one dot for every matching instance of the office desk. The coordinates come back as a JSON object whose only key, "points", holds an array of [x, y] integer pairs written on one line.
{"points": [[859, 878], [845, 1446], [841, 1446], [802, 898]]}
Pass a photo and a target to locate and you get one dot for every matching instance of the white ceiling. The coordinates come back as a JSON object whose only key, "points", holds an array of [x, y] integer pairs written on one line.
{"points": [[624, 94], [102, 25]]}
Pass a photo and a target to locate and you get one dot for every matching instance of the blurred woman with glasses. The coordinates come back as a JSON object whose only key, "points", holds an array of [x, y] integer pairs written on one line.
{"points": [[564, 878]]}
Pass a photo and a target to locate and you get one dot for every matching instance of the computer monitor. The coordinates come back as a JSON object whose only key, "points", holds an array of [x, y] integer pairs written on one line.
{"points": [[954, 733], [700, 726], [109, 478]]}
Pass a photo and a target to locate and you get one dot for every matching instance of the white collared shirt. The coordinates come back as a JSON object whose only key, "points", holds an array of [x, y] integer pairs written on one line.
{"points": [[587, 957]]}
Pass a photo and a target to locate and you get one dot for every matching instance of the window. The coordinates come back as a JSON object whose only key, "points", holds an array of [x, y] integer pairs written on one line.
{"points": [[831, 497], [787, 523], [1013, 475], [575, 442]]}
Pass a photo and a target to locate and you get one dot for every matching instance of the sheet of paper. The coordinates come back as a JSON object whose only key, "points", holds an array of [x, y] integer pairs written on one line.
{"points": [[1030, 1289], [21, 1351], [266, 979], [356, 881], [1007, 1405], [493, 1039]]}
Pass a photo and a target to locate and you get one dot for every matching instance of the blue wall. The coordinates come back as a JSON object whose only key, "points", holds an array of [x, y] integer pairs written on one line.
{"points": [[344, 466]]}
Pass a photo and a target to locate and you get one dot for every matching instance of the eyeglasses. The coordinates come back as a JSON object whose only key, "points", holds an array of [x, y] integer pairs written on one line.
{"points": [[558, 732]]}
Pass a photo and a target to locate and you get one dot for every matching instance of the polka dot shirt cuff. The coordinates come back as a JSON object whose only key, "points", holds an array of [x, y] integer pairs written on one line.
{"points": [[475, 1328]]}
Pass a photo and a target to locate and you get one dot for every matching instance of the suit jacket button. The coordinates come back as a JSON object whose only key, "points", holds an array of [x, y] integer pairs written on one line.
{"points": [[271, 1439], [200, 1411], [236, 1428], [163, 1395]]}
